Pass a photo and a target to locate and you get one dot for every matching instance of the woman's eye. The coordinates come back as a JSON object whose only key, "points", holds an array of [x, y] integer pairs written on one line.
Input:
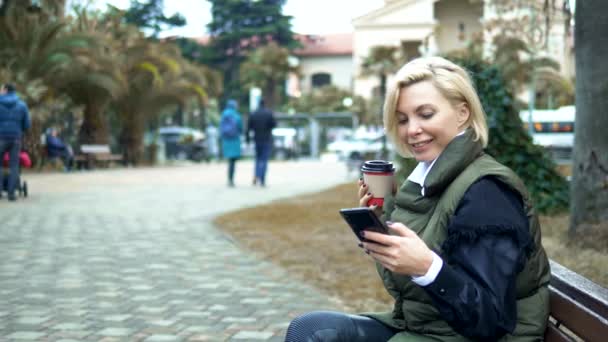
{"points": [[427, 115]]}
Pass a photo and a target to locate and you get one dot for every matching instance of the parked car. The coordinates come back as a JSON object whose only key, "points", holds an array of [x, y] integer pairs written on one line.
{"points": [[184, 143], [354, 151], [355, 148], [285, 144]]}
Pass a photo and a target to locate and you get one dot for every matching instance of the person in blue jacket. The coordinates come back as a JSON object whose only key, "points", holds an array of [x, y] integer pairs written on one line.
{"points": [[56, 148], [231, 129], [14, 121]]}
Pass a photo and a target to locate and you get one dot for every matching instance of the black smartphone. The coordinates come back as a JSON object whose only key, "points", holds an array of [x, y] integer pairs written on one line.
{"points": [[363, 218]]}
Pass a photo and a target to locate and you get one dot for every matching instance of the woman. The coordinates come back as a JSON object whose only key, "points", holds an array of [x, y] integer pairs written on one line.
{"points": [[231, 128], [464, 259]]}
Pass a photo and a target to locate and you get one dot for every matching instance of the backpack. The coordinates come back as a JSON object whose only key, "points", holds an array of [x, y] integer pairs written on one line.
{"points": [[229, 127]]}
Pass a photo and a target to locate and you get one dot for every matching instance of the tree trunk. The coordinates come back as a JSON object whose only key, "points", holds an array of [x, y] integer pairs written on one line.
{"points": [[94, 129], [131, 139], [589, 187], [270, 96]]}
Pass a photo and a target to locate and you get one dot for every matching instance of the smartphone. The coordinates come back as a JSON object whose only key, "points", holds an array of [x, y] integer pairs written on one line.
{"points": [[363, 218]]}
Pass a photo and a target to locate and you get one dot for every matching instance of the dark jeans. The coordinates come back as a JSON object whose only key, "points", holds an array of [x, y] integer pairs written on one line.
{"points": [[12, 146], [336, 326], [231, 167], [262, 154], [65, 155]]}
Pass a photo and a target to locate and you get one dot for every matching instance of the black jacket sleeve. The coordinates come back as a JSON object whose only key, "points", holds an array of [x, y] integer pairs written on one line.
{"points": [[487, 246]]}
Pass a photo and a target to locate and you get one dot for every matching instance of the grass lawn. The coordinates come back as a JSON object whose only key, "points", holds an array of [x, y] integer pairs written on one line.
{"points": [[306, 236]]}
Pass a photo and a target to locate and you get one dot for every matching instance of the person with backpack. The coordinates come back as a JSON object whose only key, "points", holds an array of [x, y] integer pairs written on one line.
{"points": [[231, 128], [261, 123]]}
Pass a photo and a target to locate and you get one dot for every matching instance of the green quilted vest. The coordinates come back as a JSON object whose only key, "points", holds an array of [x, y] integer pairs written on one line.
{"points": [[457, 168]]}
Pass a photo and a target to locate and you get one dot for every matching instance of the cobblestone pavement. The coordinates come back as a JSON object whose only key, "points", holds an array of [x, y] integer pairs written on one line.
{"points": [[131, 255]]}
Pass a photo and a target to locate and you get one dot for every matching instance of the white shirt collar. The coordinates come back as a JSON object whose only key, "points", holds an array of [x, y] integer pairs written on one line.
{"points": [[422, 170], [419, 174]]}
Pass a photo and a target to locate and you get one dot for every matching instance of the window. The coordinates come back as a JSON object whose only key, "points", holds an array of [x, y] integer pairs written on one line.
{"points": [[321, 79], [461, 34]]}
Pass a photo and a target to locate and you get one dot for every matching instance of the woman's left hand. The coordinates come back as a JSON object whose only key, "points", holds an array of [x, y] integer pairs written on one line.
{"points": [[403, 253]]}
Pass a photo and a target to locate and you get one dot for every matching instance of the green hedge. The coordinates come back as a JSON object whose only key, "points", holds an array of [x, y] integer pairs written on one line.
{"points": [[509, 142]]}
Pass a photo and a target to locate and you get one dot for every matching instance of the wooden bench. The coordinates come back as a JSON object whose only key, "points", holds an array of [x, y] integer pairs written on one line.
{"points": [[578, 307], [92, 155]]}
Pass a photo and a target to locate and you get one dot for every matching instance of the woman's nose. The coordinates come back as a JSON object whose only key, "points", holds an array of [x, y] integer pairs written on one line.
{"points": [[414, 128]]}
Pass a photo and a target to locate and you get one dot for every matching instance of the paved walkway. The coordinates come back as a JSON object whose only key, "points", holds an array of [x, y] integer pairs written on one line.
{"points": [[131, 255]]}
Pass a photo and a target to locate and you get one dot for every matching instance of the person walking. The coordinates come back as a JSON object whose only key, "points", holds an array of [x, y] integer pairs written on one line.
{"points": [[14, 120], [261, 123], [231, 128]]}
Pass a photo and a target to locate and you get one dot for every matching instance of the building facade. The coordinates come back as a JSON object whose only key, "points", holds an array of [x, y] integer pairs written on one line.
{"points": [[418, 27], [428, 27], [323, 60]]}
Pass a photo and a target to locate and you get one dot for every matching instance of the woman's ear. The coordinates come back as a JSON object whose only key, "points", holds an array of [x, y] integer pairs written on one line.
{"points": [[463, 113]]}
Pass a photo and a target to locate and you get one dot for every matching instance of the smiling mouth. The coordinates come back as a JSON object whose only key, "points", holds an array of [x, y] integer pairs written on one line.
{"points": [[420, 144]]}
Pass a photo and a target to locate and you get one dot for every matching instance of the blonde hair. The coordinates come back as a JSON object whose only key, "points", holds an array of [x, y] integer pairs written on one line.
{"points": [[451, 80]]}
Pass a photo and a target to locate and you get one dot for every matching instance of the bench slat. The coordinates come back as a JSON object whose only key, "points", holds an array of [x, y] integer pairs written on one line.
{"points": [[581, 289], [577, 318], [108, 157], [95, 148], [553, 334]]}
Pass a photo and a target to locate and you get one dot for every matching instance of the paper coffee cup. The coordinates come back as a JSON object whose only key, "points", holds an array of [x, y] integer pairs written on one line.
{"points": [[379, 177]]}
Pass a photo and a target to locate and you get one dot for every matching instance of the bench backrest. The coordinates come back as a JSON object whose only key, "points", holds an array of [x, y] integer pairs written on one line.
{"points": [[93, 149], [578, 305]]}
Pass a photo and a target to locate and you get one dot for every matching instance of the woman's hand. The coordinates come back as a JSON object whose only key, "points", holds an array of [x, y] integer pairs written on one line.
{"points": [[365, 195], [403, 253]]}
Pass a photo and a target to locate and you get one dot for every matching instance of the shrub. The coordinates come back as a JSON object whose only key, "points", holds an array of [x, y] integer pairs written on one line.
{"points": [[511, 144]]}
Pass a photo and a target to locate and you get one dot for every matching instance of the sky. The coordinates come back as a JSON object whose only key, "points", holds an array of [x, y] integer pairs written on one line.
{"points": [[309, 16]]}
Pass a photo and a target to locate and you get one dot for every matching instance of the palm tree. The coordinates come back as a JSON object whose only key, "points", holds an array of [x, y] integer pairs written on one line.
{"points": [[69, 58], [267, 67], [158, 77], [518, 64], [90, 60], [49, 62], [94, 79]]}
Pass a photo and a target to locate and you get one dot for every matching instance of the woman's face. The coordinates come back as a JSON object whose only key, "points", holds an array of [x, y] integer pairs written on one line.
{"points": [[427, 121]]}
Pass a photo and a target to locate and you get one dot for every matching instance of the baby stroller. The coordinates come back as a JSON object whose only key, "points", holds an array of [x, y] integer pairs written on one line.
{"points": [[24, 161]]}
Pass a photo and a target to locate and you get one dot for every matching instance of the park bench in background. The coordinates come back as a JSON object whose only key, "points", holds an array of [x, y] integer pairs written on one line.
{"points": [[578, 307], [93, 155]]}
